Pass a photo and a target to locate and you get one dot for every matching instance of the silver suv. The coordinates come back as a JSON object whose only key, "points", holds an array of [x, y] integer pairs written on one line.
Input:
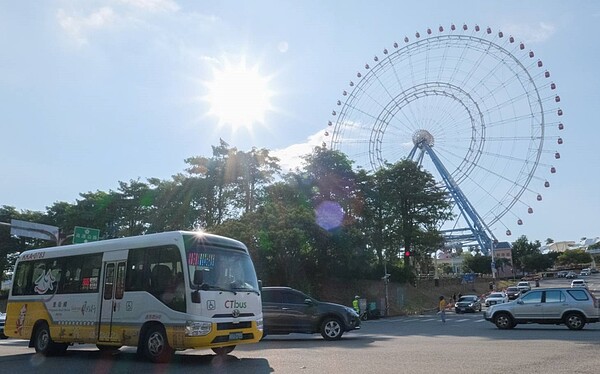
{"points": [[573, 307]]}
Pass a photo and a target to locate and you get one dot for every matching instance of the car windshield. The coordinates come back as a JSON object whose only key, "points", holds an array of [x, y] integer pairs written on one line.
{"points": [[496, 294], [468, 298], [512, 289]]}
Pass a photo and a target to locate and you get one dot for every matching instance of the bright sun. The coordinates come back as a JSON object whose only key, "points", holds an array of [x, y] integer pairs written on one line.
{"points": [[238, 96]]}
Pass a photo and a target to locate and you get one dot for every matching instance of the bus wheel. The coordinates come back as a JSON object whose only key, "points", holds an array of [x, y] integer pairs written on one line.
{"points": [[222, 351], [155, 345], [43, 343]]}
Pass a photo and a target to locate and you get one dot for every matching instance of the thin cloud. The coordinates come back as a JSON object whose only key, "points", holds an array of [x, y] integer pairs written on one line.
{"points": [[531, 33], [153, 6], [161, 17], [291, 158], [77, 27]]}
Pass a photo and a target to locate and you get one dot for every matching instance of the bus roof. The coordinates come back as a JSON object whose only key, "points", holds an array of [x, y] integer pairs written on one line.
{"points": [[130, 242]]}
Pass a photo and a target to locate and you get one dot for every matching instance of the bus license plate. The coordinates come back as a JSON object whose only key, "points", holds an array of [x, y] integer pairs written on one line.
{"points": [[236, 336]]}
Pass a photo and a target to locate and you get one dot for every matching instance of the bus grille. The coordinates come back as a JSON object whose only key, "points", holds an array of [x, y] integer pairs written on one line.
{"points": [[233, 326]]}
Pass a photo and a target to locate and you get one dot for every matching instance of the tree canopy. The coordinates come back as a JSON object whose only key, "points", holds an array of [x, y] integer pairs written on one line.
{"points": [[321, 220]]}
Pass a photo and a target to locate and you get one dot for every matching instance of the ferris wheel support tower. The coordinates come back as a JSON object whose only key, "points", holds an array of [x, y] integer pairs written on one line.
{"points": [[479, 231]]}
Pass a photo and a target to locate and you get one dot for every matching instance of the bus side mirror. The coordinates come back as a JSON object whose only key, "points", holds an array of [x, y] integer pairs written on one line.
{"points": [[198, 277], [196, 297], [259, 285]]}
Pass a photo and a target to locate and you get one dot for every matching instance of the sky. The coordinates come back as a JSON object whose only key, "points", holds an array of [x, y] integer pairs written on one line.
{"points": [[97, 92]]}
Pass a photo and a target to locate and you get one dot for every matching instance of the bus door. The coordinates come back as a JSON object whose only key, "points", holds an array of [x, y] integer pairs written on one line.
{"points": [[112, 295]]}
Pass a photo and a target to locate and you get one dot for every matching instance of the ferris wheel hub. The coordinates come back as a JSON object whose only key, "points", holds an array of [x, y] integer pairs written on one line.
{"points": [[422, 136]]}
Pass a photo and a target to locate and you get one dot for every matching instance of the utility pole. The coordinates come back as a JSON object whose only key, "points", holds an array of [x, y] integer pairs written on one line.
{"points": [[386, 280]]}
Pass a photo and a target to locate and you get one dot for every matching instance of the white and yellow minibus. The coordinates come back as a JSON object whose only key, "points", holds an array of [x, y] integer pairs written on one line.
{"points": [[157, 292]]}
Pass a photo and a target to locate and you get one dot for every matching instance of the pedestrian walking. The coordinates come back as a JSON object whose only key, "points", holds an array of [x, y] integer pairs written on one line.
{"points": [[442, 309]]}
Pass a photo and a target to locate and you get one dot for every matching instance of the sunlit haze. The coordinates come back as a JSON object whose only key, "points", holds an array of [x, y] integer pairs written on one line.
{"points": [[97, 92], [239, 96]]}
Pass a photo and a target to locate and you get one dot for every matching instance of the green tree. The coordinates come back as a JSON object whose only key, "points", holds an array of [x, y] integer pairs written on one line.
{"points": [[330, 186], [410, 206], [477, 263], [219, 173], [256, 169], [536, 262], [133, 205], [522, 248], [574, 257]]}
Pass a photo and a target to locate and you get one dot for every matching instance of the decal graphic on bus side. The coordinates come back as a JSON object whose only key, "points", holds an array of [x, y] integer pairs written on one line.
{"points": [[45, 282], [21, 320]]}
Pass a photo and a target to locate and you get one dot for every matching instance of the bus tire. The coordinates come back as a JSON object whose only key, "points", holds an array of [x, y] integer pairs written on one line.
{"points": [[43, 343], [223, 351], [155, 345]]}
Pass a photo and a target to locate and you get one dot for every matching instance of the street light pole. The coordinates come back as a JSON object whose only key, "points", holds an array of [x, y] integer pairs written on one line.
{"points": [[386, 280], [493, 246]]}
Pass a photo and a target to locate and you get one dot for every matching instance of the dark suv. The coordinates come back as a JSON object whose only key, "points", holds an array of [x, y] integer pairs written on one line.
{"points": [[286, 310]]}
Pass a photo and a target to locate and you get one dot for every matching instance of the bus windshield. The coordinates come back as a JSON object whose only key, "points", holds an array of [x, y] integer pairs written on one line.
{"points": [[224, 269]]}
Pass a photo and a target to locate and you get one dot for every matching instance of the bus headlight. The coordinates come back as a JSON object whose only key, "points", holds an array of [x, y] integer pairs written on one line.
{"points": [[194, 328], [259, 324]]}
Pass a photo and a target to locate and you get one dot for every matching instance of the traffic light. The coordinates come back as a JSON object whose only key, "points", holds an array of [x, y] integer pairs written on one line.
{"points": [[407, 253]]}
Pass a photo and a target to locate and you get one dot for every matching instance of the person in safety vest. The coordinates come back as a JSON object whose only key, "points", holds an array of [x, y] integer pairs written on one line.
{"points": [[355, 304]]}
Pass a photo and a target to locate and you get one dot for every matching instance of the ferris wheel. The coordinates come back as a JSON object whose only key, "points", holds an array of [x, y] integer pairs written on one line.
{"points": [[475, 107]]}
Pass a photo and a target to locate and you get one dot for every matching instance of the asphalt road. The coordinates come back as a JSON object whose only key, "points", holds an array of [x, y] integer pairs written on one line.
{"points": [[466, 343]]}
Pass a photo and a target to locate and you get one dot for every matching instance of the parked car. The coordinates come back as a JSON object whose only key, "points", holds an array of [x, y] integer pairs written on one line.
{"points": [[496, 298], [573, 307], [524, 286], [2, 321], [571, 275], [286, 311], [593, 270], [512, 292], [562, 274], [585, 272], [578, 283], [468, 303]]}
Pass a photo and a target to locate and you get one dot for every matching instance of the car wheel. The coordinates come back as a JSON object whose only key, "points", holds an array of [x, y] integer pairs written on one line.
{"points": [[155, 345], [331, 329], [503, 321], [574, 321], [223, 351]]}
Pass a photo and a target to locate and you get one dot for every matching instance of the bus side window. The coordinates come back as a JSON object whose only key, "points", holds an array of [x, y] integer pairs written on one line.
{"points": [[22, 284], [90, 273], [70, 282], [162, 278], [134, 279]]}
